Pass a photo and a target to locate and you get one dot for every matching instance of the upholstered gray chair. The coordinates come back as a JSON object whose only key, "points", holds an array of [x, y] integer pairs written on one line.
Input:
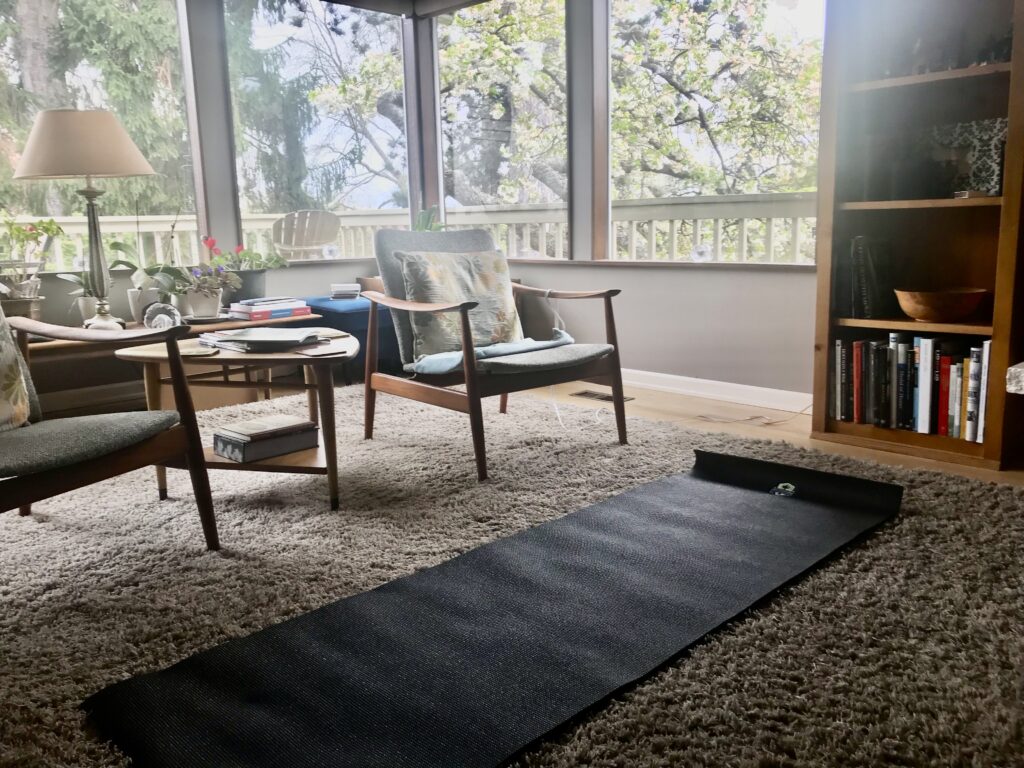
{"points": [[598, 363], [49, 457]]}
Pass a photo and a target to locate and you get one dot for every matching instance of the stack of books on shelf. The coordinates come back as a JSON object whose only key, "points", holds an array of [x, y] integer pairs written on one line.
{"points": [[269, 308], [261, 339], [344, 290], [264, 437], [929, 385]]}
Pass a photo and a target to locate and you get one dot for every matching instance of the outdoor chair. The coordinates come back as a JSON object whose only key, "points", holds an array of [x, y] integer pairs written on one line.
{"points": [[480, 378], [48, 457], [303, 234]]}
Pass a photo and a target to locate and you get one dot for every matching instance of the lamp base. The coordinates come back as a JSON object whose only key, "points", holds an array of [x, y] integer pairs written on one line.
{"points": [[103, 320]]}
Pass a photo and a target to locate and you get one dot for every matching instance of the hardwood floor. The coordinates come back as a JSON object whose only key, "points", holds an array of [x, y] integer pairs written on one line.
{"points": [[758, 423]]}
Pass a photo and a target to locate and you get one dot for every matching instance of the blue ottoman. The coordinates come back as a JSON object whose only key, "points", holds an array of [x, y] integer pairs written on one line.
{"points": [[353, 315]]}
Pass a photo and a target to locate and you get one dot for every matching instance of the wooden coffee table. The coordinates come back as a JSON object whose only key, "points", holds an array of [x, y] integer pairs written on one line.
{"points": [[318, 385]]}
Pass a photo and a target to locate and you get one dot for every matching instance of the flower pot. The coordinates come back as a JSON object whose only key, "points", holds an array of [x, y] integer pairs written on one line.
{"points": [[254, 284], [139, 299], [86, 307], [22, 307], [181, 303], [204, 305]]}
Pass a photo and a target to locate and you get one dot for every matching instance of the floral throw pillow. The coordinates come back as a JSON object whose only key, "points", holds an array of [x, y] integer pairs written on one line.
{"points": [[14, 405], [480, 276]]}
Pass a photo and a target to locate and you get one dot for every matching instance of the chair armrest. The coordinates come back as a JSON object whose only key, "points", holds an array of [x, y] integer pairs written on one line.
{"points": [[416, 306], [69, 333], [531, 291]]}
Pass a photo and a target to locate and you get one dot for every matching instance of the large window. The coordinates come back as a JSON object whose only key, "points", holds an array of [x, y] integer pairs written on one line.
{"points": [[502, 69], [317, 92], [121, 55], [715, 98]]}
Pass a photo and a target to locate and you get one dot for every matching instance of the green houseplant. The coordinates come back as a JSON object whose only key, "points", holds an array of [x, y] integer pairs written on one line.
{"points": [[249, 265], [19, 281], [150, 284]]}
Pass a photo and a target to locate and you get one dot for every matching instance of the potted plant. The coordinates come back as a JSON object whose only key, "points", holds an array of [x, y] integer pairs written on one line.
{"points": [[204, 287], [149, 284], [85, 296], [250, 266], [19, 281]]}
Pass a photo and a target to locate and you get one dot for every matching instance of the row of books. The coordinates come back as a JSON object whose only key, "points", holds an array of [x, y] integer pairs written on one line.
{"points": [[929, 385], [264, 437], [269, 308]]}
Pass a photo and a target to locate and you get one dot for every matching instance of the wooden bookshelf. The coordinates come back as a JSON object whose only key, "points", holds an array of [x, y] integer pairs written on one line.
{"points": [[908, 205], [931, 78], [916, 326], [868, 106]]}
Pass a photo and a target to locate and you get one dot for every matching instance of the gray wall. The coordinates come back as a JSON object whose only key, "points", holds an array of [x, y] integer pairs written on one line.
{"points": [[746, 324]]}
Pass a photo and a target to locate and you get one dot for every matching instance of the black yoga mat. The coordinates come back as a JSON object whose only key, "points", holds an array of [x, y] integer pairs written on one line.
{"points": [[467, 663]]}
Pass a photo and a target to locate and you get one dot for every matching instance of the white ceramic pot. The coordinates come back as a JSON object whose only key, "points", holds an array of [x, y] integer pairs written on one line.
{"points": [[181, 303], [204, 305], [86, 307], [139, 299]]}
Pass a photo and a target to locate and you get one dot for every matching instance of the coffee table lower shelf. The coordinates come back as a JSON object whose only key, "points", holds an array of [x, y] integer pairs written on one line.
{"points": [[311, 461]]}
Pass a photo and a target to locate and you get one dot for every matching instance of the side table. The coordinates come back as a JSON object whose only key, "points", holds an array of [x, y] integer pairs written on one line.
{"points": [[318, 385]]}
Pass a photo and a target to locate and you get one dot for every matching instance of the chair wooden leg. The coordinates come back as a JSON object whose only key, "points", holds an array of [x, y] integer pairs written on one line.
{"points": [[204, 498], [503, 403], [154, 402], [476, 424], [25, 510], [619, 400], [369, 394], [370, 407]]}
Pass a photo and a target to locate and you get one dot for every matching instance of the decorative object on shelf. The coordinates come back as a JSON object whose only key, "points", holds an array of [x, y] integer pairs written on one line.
{"points": [[978, 146], [249, 265], [161, 315], [69, 143], [945, 306]]}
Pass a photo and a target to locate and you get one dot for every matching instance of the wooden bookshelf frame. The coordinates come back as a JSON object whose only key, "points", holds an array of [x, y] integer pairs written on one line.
{"points": [[844, 94]]}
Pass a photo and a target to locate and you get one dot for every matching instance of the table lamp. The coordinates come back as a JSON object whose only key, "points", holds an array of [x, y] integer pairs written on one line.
{"points": [[69, 143]]}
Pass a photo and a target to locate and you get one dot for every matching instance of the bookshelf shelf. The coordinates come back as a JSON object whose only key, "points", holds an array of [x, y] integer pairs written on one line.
{"points": [[931, 78], [909, 205], [870, 132], [916, 326], [929, 446]]}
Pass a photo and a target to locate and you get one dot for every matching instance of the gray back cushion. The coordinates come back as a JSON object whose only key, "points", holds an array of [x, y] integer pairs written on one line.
{"points": [[387, 241]]}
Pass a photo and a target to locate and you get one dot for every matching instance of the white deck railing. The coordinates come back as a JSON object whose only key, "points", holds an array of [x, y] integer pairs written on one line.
{"points": [[773, 229]]}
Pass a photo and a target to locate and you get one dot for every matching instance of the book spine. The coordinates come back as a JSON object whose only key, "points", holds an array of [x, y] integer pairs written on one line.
{"points": [[986, 350], [965, 369], [945, 371], [837, 387], [858, 382], [973, 393], [953, 417], [924, 391], [271, 314], [846, 382], [902, 382], [915, 383], [869, 383], [894, 400]]}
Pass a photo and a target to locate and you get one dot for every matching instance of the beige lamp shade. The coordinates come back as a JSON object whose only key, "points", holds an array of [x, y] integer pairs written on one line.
{"points": [[67, 143]]}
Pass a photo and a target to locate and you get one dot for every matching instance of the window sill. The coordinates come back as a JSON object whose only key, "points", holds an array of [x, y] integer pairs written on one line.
{"points": [[622, 264]]}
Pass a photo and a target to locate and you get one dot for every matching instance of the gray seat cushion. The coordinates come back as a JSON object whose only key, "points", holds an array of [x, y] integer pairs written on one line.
{"points": [[63, 442], [387, 241], [545, 359]]}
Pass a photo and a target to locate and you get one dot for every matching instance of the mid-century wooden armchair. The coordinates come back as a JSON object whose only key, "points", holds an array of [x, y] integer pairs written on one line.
{"points": [[500, 376], [49, 457]]}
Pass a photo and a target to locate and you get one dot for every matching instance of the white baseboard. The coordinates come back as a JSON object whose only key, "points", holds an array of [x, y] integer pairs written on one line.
{"points": [[744, 394]]}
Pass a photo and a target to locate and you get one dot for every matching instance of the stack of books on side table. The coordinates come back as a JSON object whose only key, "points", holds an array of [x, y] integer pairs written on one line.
{"points": [[264, 437], [344, 290], [269, 308]]}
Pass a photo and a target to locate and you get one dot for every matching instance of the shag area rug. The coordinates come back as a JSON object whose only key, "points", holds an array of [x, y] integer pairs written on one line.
{"points": [[908, 650]]}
